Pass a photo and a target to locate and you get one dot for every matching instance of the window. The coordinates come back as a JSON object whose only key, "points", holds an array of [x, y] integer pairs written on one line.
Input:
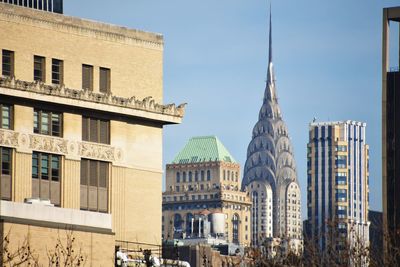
{"points": [[190, 177], [46, 172], [39, 73], [94, 185], [57, 71], [105, 80], [178, 177], [8, 63], [95, 130], [6, 116], [235, 229], [46, 122], [208, 175], [5, 173], [87, 77]]}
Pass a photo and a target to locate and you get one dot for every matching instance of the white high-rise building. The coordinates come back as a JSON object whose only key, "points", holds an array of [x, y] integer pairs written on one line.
{"points": [[270, 174]]}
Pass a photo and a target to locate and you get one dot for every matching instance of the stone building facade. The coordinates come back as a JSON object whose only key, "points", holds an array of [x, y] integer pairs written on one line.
{"points": [[204, 176], [81, 125]]}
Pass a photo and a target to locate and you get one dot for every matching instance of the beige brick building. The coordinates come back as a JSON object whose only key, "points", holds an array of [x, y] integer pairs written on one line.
{"points": [[81, 125], [204, 176]]}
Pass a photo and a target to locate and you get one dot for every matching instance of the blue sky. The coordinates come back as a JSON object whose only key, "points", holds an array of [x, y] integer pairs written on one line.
{"points": [[327, 58]]}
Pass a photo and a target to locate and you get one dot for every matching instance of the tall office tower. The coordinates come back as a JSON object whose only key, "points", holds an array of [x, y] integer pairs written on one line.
{"points": [[55, 6], [337, 182], [81, 119], [203, 179], [270, 172], [391, 133]]}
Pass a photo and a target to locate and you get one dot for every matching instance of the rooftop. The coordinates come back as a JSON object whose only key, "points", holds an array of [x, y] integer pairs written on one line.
{"points": [[203, 149]]}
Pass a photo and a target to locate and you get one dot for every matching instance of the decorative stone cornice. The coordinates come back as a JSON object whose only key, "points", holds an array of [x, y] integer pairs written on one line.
{"points": [[147, 104], [80, 26], [70, 149]]}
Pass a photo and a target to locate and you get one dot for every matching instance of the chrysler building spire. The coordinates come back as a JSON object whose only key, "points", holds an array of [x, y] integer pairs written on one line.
{"points": [[270, 174]]}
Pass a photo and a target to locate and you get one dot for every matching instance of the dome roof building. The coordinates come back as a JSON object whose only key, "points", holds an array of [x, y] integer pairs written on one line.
{"points": [[270, 174]]}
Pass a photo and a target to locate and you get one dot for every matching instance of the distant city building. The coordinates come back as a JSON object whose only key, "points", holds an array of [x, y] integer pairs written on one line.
{"points": [[203, 179], [376, 235], [391, 132], [55, 6], [270, 174], [80, 133], [337, 183]]}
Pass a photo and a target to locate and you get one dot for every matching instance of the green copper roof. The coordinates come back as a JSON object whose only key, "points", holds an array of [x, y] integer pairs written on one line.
{"points": [[203, 149]]}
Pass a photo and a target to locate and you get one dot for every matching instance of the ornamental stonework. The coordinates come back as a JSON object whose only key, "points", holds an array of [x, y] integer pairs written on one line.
{"points": [[48, 144], [8, 138], [96, 151], [146, 104]]}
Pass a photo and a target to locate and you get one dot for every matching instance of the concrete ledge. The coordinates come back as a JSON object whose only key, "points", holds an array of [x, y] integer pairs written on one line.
{"points": [[46, 215]]}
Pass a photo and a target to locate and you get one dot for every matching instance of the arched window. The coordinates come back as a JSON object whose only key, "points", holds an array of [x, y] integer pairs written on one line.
{"points": [[178, 177], [208, 175], [196, 176], [190, 177], [229, 175], [224, 175], [235, 228], [184, 177], [189, 218], [202, 175]]}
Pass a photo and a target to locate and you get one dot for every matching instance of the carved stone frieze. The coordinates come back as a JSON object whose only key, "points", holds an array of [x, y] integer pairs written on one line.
{"points": [[48, 144], [97, 151], [71, 149], [8, 138], [146, 104]]}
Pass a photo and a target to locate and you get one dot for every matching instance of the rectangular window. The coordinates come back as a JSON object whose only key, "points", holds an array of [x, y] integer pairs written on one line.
{"points": [[105, 80], [5, 173], [46, 122], [95, 130], [8, 63], [87, 77], [46, 170], [39, 72], [94, 185], [57, 71], [5, 116]]}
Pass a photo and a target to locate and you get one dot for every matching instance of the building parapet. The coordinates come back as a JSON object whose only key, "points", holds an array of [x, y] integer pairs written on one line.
{"points": [[80, 26], [47, 215], [84, 98]]}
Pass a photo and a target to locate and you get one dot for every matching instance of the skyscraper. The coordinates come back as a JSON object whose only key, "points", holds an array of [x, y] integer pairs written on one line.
{"points": [[55, 6], [270, 171], [204, 179], [390, 132], [337, 182]]}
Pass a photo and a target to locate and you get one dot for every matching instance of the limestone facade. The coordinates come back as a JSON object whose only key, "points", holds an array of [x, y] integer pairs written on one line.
{"points": [[83, 148], [211, 185]]}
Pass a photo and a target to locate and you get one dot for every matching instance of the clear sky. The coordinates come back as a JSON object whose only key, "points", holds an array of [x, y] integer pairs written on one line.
{"points": [[327, 58]]}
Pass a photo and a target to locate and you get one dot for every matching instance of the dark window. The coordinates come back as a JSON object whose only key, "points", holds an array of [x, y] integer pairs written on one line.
{"points": [[39, 73], [5, 173], [235, 229], [6, 117], [178, 177], [46, 122], [105, 80], [8, 63], [46, 176], [57, 71], [94, 185], [87, 77], [95, 130], [209, 175]]}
